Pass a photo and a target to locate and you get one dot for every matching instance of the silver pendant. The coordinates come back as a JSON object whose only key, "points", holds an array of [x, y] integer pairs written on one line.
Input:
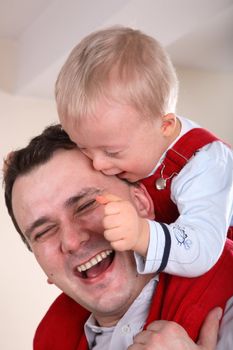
{"points": [[161, 183]]}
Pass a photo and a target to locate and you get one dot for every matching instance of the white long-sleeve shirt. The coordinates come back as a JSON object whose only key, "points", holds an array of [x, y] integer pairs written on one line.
{"points": [[203, 193]]}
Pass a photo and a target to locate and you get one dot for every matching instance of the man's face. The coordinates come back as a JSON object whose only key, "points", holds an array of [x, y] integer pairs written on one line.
{"points": [[55, 208]]}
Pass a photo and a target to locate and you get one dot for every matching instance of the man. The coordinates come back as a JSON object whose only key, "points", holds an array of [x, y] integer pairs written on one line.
{"points": [[50, 191]]}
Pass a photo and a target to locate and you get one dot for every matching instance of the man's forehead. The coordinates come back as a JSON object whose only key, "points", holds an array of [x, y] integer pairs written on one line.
{"points": [[67, 174]]}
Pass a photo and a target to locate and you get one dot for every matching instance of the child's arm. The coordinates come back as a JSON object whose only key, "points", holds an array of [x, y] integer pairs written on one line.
{"points": [[123, 228], [203, 192]]}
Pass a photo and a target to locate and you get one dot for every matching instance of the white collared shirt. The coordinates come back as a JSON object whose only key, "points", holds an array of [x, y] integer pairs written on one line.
{"points": [[121, 336]]}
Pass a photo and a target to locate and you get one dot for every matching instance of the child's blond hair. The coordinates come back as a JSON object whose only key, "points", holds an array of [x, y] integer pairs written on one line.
{"points": [[116, 64]]}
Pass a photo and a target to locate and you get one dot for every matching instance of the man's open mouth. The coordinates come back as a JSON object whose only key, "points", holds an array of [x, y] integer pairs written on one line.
{"points": [[96, 265]]}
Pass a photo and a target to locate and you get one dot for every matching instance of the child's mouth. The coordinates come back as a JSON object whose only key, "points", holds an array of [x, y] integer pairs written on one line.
{"points": [[122, 175]]}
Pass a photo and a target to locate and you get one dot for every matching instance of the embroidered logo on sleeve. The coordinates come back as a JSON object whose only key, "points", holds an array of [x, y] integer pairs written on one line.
{"points": [[182, 237]]}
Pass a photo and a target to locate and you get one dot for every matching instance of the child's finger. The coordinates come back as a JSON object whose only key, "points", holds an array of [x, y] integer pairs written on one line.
{"points": [[116, 240], [113, 234], [107, 198], [111, 221]]}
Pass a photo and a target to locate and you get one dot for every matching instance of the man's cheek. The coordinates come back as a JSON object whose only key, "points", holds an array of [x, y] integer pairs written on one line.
{"points": [[94, 220]]}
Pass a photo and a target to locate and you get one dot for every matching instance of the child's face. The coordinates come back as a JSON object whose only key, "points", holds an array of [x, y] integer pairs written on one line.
{"points": [[119, 141]]}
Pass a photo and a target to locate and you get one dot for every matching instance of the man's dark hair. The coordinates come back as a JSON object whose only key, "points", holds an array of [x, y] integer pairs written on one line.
{"points": [[20, 162]]}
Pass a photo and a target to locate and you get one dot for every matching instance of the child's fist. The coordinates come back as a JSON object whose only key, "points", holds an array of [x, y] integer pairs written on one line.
{"points": [[123, 228]]}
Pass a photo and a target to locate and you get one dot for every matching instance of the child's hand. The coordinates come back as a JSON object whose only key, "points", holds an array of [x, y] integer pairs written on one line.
{"points": [[124, 229]]}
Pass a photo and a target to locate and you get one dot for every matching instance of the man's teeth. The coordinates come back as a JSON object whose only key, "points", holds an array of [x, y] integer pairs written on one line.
{"points": [[94, 261]]}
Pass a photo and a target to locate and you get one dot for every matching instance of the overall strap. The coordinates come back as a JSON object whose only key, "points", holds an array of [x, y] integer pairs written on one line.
{"points": [[186, 147], [176, 158]]}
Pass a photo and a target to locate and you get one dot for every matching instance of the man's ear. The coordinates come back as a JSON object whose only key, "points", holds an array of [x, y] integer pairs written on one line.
{"points": [[49, 281], [142, 201]]}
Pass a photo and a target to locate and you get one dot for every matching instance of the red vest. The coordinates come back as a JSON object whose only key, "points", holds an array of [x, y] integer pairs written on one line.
{"points": [[176, 158], [184, 300]]}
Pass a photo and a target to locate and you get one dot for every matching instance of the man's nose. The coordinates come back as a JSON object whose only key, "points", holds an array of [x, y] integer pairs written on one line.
{"points": [[72, 237]]}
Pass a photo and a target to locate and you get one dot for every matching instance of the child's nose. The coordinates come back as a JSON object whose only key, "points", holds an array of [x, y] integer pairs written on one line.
{"points": [[100, 163]]}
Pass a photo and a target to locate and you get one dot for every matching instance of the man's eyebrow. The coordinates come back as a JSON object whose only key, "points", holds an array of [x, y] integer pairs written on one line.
{"points": [[42, 220], [85, 193]]}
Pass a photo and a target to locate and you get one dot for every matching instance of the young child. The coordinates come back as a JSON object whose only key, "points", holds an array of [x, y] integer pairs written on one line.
{"points": [[116, 98]]}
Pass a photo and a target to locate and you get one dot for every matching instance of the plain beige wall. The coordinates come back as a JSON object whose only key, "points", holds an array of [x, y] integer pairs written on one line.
{"points": [[25, 295], [205, 97]]}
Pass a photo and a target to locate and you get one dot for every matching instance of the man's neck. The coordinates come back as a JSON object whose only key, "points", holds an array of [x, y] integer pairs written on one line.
{"points": [[111, 319]]}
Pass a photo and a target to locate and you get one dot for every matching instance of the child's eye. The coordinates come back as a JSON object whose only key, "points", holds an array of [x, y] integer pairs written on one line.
{"points": [[112, 154]]}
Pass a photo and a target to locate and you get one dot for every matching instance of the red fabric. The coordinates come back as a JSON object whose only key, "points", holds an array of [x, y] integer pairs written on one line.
{"points": [[184, 300], [165, 210], [187, 301], [62, 326], [230, 233]]}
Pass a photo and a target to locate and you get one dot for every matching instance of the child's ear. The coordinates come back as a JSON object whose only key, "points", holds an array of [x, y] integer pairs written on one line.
{"points": [[142, 201], [169, 123]]}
